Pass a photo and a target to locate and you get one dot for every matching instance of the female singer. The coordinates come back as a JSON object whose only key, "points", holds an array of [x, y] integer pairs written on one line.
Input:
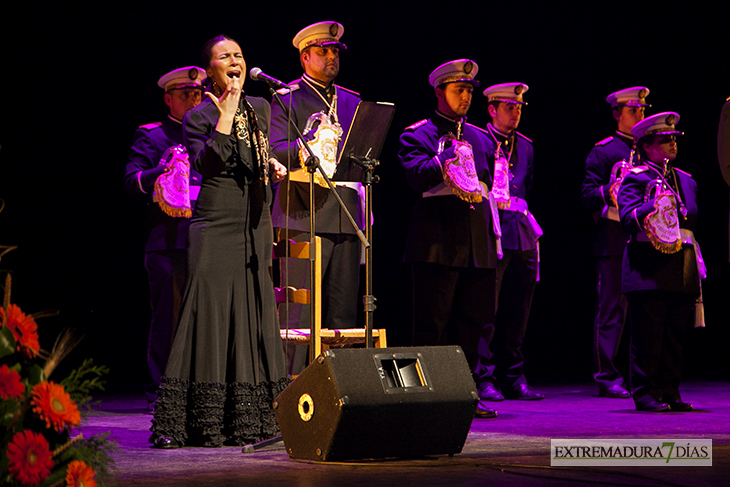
{"points": [[226, 363]]}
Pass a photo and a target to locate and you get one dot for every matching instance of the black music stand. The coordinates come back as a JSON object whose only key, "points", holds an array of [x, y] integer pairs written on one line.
{"points": [[363, 145]]}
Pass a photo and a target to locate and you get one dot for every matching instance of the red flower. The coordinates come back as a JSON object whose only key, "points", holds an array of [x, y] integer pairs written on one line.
{"points": [[10, 385], [54, 406], [24, 330], [80, 475], [29, 458]]}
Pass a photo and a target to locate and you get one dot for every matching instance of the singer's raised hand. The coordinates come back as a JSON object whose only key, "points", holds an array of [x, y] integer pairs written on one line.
{"points": [[227, 104]]}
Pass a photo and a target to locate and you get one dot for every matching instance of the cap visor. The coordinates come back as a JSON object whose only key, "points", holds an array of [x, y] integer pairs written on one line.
{"points": [[339, 45]]}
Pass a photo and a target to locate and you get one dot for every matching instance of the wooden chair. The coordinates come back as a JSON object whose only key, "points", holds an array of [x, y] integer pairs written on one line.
{"points": [[323, 338]]}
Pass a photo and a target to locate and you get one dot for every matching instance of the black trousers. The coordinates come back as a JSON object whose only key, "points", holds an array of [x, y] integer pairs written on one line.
{"points": [[608, 326], [658, 325], [500, 354], [166, 271], [452, 306]]}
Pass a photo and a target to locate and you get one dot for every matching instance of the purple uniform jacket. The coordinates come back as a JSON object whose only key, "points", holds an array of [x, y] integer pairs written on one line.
{"points": [[150, 143], [517, 233], [610, 239], [644, 267], [445, 229], [303, 101]]}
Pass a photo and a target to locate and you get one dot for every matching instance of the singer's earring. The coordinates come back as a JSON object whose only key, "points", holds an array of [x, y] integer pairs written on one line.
{"points": [[216, 89]]}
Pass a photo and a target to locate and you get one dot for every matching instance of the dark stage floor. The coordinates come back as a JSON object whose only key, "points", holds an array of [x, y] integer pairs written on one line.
{"points": [[513, 449]]}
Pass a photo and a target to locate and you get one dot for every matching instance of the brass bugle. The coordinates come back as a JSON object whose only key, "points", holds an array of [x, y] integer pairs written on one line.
{"points": [[444, 140], [450, 137]]}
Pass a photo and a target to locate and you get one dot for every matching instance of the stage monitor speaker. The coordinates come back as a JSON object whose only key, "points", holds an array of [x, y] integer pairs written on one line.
{"points": [[378, 403]]}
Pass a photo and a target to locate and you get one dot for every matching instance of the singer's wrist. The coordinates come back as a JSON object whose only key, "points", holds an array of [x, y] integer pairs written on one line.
{"points": [[225, 124]]}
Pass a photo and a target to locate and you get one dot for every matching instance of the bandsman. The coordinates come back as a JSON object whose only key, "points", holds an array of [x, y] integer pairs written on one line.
{"points": [[451, 245], [605, 166], [501, 360]]}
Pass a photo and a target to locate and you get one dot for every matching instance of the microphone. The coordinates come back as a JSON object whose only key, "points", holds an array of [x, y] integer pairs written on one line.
{"points": [[257, 75]]}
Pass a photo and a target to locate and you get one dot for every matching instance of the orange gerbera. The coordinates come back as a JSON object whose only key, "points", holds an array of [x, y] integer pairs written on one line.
{"points": [[10, 385], [29, 458], [24, 330], [79, 474], [54, 406]]}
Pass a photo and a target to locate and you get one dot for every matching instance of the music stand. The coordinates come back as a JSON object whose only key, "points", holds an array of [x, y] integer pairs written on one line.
{"points": [[363, 145]]}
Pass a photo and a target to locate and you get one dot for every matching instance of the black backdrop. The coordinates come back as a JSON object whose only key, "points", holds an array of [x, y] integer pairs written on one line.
{"points": [[78, 82]]}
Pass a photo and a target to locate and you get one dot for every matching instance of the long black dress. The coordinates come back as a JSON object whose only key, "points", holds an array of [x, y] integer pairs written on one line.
{"points": [[227, 362]]}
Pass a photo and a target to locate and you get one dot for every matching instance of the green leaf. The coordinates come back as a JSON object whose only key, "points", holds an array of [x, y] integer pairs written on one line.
{"points": [[36, 375], [7, 342], [81, 381], [7, 410], [57, 475]]}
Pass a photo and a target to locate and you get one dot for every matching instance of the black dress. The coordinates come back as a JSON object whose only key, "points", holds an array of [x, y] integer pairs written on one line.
{"points": [[226, 363]]}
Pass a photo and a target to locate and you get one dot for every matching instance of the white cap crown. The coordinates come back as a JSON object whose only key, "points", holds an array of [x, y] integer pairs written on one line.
{"points": [[454, 71], [659, 124], [187, 77], [507, 93], [320, 34]]}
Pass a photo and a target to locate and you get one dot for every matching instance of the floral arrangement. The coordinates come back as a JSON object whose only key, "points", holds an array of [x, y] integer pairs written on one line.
{"points": [[41, 445]]}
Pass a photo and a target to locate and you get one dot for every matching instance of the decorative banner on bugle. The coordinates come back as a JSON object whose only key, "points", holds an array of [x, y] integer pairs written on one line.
{"points": [[324, 145], [460, 173], [500, 187], [662, 224], [172, 188]]}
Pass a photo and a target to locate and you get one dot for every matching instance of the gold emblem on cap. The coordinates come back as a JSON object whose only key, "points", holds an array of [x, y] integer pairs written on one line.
{"points": [[642, 93], [669, 120], [193, 73], [334, 28], [468, 66], [518, 89]]}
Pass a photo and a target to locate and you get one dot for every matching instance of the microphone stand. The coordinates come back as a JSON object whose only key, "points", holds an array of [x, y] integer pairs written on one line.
{"points": [[313, 165]]}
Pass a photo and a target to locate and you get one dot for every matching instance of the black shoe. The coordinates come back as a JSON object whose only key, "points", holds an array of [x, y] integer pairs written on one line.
{"points": [[615, 392], [165, 443], [523, 393], [680, 406], [653, 407], [484, 412], [487, 392]]}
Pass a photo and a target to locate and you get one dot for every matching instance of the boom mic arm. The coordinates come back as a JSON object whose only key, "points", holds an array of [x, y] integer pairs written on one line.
{"points": [[257, 74]]}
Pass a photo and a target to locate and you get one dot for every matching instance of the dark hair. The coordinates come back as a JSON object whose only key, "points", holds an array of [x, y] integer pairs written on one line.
{"points": [[648, 140], [207, 53], [616, 111], [301, 62]]}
